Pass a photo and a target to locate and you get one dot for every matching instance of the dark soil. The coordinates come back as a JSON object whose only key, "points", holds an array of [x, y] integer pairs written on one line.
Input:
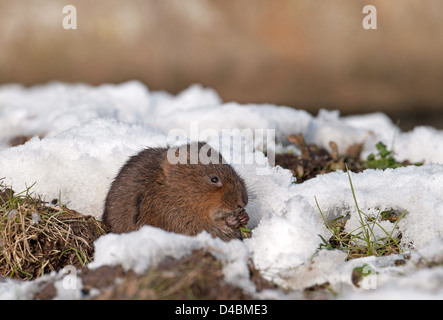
{"points": [[315, 160]]}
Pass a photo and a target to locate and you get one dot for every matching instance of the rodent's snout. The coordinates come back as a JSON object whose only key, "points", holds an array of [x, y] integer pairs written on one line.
{"points": [[219, 214], [240, 218]]}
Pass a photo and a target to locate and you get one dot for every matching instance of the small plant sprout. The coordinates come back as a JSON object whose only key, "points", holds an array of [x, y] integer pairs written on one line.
{"points": [[246, 233], [363, 241], [384, 159]]}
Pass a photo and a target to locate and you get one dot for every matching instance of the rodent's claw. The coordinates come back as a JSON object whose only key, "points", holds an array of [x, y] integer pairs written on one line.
{"points": [[243, 217], [238, 220], [233, 222]]}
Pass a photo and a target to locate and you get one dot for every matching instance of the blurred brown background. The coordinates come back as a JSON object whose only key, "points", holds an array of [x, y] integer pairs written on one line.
{"points": [[301, 53]]}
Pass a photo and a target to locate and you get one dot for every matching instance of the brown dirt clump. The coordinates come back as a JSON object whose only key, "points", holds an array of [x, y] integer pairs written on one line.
{"points": [[315, 160], [196, 276]]}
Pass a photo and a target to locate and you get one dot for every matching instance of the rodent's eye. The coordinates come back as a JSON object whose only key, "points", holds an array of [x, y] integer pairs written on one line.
{"points": [[215, 180]]}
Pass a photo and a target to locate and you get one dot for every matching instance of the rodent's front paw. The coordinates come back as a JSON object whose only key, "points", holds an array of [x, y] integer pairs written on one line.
{"points": [[233, 222], [238, 220], [243, 217]]}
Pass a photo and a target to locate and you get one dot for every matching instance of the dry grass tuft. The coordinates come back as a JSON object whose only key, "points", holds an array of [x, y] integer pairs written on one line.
{"points": [[36, 239]]}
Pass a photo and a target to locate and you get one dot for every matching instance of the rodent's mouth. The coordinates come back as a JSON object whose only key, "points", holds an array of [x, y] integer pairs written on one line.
{"points": [[240, 218], [221, 214]]}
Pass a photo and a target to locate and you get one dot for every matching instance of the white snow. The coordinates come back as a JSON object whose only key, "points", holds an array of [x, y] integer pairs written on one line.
{"points": [[87, 133]]}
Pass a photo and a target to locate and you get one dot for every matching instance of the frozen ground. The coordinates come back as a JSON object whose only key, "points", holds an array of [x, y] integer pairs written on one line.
{"points": [[83, 135]]}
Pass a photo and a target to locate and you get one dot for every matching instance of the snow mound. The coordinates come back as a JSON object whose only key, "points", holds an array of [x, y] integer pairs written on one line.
{"points": [[157, 244]]}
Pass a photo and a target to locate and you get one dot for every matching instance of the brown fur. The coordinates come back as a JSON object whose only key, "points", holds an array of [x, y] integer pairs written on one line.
{"points": [[177, 197]]}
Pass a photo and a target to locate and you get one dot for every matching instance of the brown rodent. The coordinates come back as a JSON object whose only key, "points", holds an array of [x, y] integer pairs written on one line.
{"points": [[184, 197]]}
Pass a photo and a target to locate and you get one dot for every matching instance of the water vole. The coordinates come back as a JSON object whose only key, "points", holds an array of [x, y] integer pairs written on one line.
{"points": [[180, 197]]}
